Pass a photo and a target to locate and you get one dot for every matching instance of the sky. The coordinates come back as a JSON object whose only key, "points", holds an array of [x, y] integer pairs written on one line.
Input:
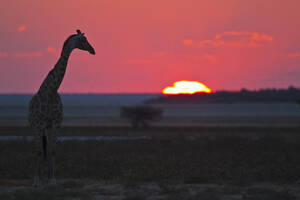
{"points": [[143, 46]]}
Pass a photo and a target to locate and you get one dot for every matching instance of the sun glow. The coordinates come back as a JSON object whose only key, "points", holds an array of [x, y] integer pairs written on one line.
{"points": [[186, 87]]}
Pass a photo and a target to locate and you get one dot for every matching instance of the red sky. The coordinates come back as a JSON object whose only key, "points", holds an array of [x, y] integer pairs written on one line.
{"points": [[144, 46]]}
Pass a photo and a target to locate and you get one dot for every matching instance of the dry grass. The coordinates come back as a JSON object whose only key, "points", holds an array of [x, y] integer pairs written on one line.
{"points": [[202, 160], [99, 190], [178, 163]]}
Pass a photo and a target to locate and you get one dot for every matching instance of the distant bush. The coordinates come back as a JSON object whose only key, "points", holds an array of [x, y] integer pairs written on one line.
{"points": [[141, 115]]}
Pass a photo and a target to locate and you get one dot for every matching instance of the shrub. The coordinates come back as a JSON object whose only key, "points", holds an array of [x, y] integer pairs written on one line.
{"points": [[141, 114]]}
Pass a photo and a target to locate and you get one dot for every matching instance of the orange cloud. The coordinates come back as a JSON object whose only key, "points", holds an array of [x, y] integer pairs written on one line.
{"points": [[3, 54], [243, 37], [188, 42], [234, 38], [28, 55], [261, 37], [52, 50], [22, 28], [292, 55], [210, 58]]}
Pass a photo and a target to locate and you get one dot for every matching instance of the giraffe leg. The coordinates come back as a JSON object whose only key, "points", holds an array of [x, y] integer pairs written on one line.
{"points": [[38, 146], [52, 152]]}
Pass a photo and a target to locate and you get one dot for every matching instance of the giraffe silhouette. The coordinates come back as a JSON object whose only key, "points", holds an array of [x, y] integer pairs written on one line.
{"points": [[46, 109]]}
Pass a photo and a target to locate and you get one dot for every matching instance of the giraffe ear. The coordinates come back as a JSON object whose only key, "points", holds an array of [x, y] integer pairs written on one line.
{"points": [[78, 31]]}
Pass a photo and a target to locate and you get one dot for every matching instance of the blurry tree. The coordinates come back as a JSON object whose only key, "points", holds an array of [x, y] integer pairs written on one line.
{"points": [[141, 114]]}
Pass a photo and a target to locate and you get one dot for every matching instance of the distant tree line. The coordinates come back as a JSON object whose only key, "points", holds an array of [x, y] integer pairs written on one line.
{"points": [[243, 96]]}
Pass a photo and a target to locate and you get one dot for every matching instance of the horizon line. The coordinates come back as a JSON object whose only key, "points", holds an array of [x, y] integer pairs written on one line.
{"points": [[147, 93], [78, 93]]}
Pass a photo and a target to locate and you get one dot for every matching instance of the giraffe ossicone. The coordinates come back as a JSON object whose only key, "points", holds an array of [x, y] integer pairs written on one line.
{"points": [[46, 109]]}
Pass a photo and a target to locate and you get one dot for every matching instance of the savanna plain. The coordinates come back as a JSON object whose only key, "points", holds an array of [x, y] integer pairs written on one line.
{"points": [[179, 157]]}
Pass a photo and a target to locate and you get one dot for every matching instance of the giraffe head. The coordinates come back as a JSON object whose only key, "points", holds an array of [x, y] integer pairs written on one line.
{"points": [[82, 43], [78, 41]]}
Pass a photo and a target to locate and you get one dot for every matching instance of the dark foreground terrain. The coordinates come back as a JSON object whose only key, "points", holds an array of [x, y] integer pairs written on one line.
{"points": [[192, 163], [71, 189]]}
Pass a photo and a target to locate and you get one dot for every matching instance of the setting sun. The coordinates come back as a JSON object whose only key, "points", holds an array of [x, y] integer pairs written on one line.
{"points": [[186, 87]]}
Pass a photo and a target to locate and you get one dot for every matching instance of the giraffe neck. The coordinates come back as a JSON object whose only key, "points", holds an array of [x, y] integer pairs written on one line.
{"points": [[55, 77]]}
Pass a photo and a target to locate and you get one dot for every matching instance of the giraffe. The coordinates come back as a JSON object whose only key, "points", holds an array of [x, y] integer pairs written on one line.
{"points": [[46, 109]]}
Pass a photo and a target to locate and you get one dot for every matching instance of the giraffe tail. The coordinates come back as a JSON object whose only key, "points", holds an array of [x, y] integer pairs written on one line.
{"points": [[45, 143]]}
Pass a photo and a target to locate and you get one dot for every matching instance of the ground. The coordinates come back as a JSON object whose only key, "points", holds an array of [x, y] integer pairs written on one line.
{"points": [[164, 190], [200, 162]]}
